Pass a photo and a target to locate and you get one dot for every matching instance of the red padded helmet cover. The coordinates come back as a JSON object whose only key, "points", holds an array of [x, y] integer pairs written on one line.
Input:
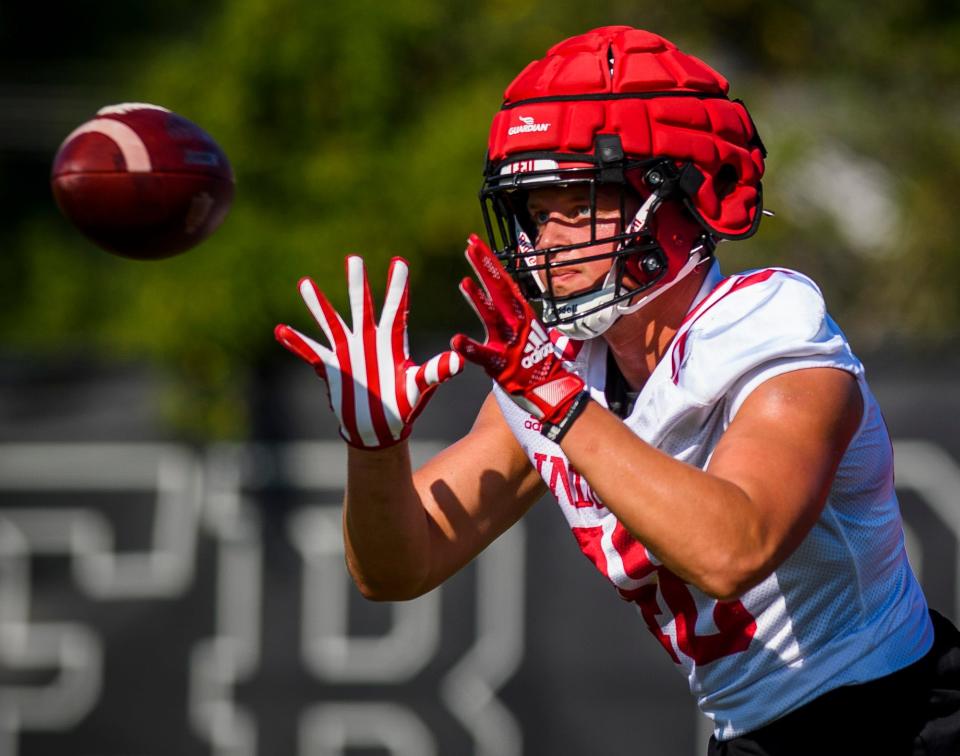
{"points": [[659, 100]]}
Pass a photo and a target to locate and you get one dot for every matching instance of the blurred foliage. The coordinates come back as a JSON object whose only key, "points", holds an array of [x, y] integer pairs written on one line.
{"points": [[361, 127]]}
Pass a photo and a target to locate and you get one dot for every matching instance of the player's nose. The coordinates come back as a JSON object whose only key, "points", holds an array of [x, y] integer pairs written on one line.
{"points": [[557, 232]]}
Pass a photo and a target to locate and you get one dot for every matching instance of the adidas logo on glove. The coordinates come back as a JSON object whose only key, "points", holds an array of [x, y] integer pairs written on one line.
{"points": [[538, 346]]}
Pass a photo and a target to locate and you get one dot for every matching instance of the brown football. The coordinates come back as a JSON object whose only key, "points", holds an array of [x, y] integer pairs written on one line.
{"points": [[142, 181]]}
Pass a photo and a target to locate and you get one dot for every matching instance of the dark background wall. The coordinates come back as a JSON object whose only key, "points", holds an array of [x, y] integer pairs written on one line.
{"points": [[168, 598]]}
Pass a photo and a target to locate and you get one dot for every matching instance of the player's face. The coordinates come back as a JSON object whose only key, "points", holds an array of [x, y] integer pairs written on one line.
{"points": [[561, 216]]}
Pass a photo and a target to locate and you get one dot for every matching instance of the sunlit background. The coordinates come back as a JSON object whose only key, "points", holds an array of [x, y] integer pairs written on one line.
{"points": [[170, 580]]}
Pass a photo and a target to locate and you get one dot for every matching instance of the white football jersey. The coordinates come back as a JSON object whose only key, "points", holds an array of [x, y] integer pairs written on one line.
{"points": [[845, 607]]}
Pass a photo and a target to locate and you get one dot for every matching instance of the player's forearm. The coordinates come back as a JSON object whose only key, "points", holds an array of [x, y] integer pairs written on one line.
{"points": [[385, 528], [703, 528]]}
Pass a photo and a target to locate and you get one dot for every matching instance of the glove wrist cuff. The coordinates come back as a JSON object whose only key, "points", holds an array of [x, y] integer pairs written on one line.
{"points": [[389, 442], [556, 431]]}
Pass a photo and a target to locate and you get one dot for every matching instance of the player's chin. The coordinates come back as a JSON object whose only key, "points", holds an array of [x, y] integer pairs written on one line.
{"points": [[558, 286]]}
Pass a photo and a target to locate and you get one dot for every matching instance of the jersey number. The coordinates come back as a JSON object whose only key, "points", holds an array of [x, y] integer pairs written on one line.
{"points": [[735, 625]]}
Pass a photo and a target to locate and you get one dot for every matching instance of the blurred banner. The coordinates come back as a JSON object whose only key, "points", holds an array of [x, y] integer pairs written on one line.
{"points": [[160, 598]]}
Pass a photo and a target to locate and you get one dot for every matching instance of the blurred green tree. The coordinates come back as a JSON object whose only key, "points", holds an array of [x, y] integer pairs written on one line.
{"points": [[361, 127]]}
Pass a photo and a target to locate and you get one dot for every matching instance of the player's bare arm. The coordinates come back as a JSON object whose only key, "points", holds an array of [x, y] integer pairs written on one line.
{"points": [[407, 531], [728, 527]]}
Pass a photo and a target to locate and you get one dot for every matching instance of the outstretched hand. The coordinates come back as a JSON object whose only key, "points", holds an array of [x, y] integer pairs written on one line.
{"points": [[517, 352], [374, 388]]}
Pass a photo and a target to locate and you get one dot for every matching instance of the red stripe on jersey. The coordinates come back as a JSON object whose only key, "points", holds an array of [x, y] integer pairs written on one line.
{"points": [[645, 598], [739, 282], [636, 563], [590, 544]]}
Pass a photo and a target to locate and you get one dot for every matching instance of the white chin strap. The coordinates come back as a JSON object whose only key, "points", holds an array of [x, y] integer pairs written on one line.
{"points": [[593, 324]]}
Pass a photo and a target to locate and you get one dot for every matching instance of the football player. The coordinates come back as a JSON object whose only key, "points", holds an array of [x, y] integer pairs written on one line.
{"points": [[710, 439]]}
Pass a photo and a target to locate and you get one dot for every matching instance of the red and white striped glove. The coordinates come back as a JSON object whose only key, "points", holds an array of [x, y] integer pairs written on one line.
{"points": [[374, 388], [517, 352]]}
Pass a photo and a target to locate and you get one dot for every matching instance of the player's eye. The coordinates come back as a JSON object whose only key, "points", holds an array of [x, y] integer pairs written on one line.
{"points": [[583, 211], [540, 217]]}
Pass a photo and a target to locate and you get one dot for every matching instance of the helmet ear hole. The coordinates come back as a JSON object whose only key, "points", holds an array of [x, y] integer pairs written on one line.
{"points": [[726, 180]]}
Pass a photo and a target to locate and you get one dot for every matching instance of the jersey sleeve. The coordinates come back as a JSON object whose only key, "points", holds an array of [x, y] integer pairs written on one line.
{"points": [[751, 328]]}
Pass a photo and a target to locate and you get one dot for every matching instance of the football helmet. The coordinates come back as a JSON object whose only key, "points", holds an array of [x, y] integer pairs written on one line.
{"points": [[625, 108]]}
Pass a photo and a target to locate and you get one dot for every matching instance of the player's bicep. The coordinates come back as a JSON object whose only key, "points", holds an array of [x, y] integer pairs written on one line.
{"points": [[474, 490], [783, 449]]}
